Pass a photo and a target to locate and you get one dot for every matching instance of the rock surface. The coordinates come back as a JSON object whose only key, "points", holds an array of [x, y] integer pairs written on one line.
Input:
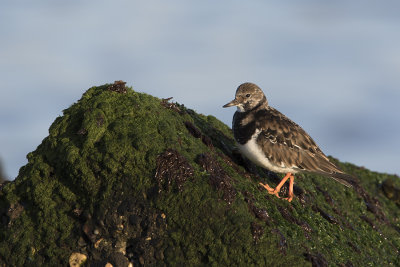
{"points": [[127, 178]]}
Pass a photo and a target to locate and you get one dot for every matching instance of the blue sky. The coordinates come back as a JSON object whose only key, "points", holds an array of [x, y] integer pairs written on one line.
{"points": [[334, 68]]}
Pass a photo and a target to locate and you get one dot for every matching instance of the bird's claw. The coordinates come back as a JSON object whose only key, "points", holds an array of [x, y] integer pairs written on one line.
{"points": [[268, 188], [275, 192]]}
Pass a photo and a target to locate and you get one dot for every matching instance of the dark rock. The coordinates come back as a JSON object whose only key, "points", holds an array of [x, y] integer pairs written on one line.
{"points": [[307, 230], [172, 167], [14, 211], [82, 242], [134, 219], [369, 221], [282, 242], [372, 203], [88, 228], [219, 179], [261, 214], [327, 196], [257, 231], [287, 215], [193, 130], [118, 259], [168, 105], [325, 215], [118, 86], [207, 140], [290, 218], [232, 163]]}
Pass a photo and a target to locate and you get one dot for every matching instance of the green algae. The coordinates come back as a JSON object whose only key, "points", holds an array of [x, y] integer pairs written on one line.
{"points": [[97, 169]]}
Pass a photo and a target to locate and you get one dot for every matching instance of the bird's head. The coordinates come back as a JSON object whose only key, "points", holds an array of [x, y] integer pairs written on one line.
{"points": [[248, 96]]}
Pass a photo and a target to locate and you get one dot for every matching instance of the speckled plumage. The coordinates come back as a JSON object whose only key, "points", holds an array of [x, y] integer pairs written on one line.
{"points": [[273, 141]]}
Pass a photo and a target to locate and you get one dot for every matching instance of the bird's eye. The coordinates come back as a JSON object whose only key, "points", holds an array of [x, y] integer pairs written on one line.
{"points": [[248, 95]]}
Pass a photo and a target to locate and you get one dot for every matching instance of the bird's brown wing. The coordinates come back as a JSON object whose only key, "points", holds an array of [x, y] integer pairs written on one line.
{"points": [[286, 143]]}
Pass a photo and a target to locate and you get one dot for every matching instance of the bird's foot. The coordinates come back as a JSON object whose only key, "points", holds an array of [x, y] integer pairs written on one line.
{"points": [[289, 198], [271, 190]]}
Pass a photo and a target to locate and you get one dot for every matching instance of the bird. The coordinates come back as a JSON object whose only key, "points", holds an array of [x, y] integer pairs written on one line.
{"points": [[273, 141]]}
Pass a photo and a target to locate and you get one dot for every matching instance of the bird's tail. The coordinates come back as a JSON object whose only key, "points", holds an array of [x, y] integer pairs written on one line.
{"points": [[343, 178]]}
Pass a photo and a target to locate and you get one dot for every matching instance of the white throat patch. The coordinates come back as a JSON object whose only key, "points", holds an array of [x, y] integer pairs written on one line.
{"points": [[240, 108]]}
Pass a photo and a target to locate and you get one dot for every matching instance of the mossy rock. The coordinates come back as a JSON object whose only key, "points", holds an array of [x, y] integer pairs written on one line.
{"points": [[127, 177]]}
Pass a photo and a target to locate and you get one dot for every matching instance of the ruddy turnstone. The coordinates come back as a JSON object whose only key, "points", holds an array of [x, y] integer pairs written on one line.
{"points": [[273, 141]]}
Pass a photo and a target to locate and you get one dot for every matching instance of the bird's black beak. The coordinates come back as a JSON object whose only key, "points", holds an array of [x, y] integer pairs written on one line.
{"points": [[234, 102]]}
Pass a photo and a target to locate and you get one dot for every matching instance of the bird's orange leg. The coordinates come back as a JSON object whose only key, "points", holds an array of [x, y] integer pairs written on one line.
{"points": [[269, 189], [291, 195], [279, 186]]}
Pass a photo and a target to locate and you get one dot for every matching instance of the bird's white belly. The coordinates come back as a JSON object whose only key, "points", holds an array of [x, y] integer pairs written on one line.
{"points": [[254, 153]]}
